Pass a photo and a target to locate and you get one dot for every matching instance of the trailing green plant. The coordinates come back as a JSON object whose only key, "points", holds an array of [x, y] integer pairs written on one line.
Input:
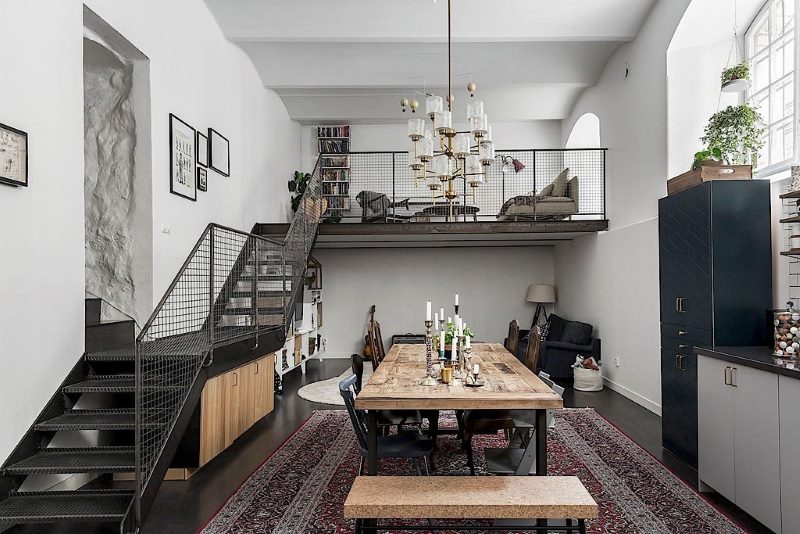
{"points": [[298, 185], [709, 154], [737, 131], [740, 71]]}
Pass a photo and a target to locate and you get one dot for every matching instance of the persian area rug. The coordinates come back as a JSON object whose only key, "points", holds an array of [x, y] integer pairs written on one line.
{"points": [[301, 488]]}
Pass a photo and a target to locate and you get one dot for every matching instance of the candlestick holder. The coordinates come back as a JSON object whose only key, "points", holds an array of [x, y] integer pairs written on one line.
{"points": [[460, 361], [429, 380]]}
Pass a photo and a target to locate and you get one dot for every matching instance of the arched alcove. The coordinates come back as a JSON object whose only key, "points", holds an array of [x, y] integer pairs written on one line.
{"points": [[585, 132]]}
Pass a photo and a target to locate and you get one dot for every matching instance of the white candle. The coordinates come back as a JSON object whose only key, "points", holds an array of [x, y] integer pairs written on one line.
{"points": [[454, 349], [428, 311], [467, 342], [476, 369], [449, 320], [441, 313], [456, 299], [441, 340]]}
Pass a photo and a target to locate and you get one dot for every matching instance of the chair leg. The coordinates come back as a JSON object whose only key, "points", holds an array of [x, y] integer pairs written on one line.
{"points": [[360, 464], [417, 467], [569, 524], [582, 526], [358, 527], [425, 462], [470, 459]]}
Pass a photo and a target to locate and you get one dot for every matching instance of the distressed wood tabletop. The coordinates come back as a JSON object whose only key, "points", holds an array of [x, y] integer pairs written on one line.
{"points": [[395, 385]]}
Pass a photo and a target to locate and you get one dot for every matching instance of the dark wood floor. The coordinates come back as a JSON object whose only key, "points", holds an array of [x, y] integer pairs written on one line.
{"points": [[183, 507]]}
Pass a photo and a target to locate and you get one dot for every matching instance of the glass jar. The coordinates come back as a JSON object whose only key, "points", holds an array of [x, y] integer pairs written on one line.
{"points": [[786, 333]]}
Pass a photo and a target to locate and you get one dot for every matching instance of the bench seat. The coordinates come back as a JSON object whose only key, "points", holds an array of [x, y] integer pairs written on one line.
{"points": [[462, 497]]}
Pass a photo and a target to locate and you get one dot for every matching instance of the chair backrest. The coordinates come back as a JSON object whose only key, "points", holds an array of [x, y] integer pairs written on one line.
{"points": [[374, 339], [532, 352], [357, 417], [512, 341], [358, 370]]}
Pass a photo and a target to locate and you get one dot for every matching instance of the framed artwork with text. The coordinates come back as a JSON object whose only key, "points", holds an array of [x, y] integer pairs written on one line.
{"points": [[13, 156], [182, 159]]}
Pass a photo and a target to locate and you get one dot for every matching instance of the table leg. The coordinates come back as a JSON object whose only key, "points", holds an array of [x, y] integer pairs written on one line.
{"points": [[372, 443], [541, 442]]}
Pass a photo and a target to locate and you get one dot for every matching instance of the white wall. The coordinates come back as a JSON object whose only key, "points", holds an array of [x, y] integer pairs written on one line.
{"points": [[42, 267], [693, 96], [611, 279], [492, 283], [196, 74], [393, 137], [211, 83]]}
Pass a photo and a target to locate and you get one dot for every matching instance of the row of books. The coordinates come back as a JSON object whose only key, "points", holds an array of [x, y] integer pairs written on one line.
{"points": [[335, 162], [334, 146], [333, 131], [336, 188], [338, 203], [336, 175]]}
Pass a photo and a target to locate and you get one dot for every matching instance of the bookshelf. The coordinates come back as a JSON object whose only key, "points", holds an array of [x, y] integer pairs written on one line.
{"points": [[333, 143]]}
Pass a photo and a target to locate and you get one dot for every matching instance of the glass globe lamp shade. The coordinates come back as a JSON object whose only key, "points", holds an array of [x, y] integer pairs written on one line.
{"points": [[486, 153], [434, 104], [461, 145], [442, 120], [479, 125], [475, 109], [416, 128]]}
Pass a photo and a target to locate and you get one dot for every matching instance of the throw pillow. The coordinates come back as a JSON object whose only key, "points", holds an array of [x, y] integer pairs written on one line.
{"points": [[547, 191], [555, 327], [560, 184], [577, 333]]}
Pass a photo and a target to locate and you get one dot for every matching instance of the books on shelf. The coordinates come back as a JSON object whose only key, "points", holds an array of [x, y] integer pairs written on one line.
{"points": [[335, 175], [334, 146], [333, 131], [338, 202], [335, 188], [335, 162]]}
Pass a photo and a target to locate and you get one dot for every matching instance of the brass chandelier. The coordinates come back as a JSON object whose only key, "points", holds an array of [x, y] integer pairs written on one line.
{"points": [[439, 154]]}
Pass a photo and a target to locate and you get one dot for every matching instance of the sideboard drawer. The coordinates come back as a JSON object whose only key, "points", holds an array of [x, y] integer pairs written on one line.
{"points": [[687, 334]]}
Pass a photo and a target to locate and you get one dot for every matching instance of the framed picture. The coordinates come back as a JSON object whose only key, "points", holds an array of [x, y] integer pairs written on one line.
{"points": [[202, 179], [202, 150], [13, 156], [219, 152], [182, 159]]}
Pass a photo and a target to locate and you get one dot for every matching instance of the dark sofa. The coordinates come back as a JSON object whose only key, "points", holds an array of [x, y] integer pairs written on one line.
{"points": [[564, 341]]}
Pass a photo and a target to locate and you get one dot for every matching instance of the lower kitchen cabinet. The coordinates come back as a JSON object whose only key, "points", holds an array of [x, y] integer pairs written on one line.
{"points": [[679, 403], [789, 396], [739, 437]]}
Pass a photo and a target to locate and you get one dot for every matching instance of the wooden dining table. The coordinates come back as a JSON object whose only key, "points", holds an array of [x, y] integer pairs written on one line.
{"points": [[509, 385]]}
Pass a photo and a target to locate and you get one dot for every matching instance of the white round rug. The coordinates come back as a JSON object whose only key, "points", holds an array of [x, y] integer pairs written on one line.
{"points": [[327, 391]]}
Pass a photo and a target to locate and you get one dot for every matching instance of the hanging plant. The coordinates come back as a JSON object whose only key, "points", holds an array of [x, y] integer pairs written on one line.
{"points": [[740, 71], [737, 131]]}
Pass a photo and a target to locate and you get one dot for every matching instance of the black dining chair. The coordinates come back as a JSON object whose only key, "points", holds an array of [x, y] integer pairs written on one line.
{"points": [[415, 447], [387, 418]]}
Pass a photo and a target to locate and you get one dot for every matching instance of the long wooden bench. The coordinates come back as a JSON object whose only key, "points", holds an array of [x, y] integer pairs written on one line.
{"points": [[374, 498]]}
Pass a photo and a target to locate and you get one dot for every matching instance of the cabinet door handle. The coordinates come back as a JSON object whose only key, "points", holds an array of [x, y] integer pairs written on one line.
{"points": [[677, 361], [682, 332], [733, 377], [681, 347], [677, 304], [727, 374], [235, 379], [256, 368]]}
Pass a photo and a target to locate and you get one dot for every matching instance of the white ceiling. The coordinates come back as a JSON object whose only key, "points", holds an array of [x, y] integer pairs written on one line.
{"points": [[352, 60]]}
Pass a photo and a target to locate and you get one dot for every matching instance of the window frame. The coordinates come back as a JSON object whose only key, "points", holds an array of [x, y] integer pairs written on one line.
{"points": [[750, 94]]}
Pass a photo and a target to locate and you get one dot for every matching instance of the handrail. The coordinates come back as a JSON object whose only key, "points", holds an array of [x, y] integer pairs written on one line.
{"points": [[233, 286]]}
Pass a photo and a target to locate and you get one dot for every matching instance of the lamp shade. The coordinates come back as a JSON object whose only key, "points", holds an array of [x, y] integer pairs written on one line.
{"points": [[541, 293]]}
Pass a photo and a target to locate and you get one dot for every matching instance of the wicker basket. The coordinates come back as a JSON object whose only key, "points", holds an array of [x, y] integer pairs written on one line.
{"points": [[588, 379]]}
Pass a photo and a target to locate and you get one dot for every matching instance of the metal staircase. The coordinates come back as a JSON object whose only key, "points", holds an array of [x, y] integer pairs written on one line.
{"points": [[232, 298]]}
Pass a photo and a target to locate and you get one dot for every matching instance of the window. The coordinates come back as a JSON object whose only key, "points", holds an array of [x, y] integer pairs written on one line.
{"points": [[770, 49]]}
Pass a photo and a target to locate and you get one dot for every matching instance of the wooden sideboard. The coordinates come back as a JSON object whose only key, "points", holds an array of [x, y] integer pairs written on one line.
{"points": [[230, 404]]}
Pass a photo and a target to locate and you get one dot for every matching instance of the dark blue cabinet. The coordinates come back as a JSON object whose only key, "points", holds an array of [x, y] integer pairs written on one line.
{"points": [[715, 269]]}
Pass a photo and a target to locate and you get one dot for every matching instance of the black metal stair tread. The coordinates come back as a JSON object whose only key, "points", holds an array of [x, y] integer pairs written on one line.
{"points": [[103, 384], [149, 352], [114, 419], [65, 506], [249, 311], [76, 460]]}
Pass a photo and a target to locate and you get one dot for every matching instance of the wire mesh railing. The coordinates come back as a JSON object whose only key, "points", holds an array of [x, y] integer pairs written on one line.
{"points": [[233, 286], [380, 187]]}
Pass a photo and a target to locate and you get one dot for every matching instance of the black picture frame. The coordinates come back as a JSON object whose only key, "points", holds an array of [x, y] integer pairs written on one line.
{"points": [[202, 149], [202, 179], [187, 163], [10, 180], [219, 144]]}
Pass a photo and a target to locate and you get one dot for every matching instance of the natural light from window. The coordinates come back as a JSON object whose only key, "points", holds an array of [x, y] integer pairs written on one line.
{"points": [[770, 49]]}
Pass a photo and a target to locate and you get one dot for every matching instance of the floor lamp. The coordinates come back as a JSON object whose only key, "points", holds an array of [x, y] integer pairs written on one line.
{"points": [[540, 294]]}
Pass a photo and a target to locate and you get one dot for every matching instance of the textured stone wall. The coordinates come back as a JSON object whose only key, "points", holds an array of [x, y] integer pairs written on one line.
{"points": [[109, 189]]}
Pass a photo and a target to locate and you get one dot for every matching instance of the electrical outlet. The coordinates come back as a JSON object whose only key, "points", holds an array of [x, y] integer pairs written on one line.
{"points": [[616, 361], [165, 229]]}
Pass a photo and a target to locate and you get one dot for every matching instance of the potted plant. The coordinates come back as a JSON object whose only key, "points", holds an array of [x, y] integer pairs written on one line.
{"points": [[737, 131], [735, 79], [298, 185], [448, 337], [712, 156]]}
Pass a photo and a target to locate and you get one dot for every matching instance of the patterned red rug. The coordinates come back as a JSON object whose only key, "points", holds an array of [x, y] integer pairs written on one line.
{"points": [[302, 487]]}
